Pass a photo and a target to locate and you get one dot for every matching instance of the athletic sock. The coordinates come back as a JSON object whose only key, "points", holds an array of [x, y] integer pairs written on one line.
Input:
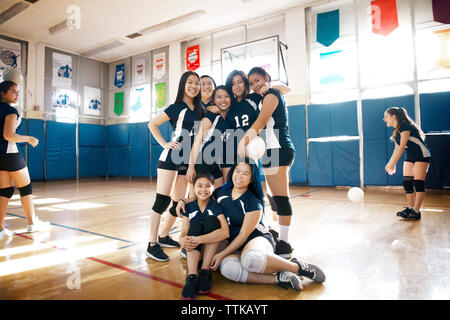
{"points": [[284, 233]]}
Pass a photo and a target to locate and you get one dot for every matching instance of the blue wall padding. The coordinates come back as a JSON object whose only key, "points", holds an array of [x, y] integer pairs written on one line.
{"points": [[35, 161], [346, 163], [119, 161], [156, 152], [320, 164], [435, 111], [297, 131], [319, 121], [92, 161], [91, 135], [60, 151], [377, 145], [438, 175], [166, 132], [22, 130], [118, 135], [139, 150], [331, 120]]}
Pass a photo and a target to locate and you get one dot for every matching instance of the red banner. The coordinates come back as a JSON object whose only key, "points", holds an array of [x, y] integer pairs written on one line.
{"points": [[193, 57], [441, 11], [384, 16]]}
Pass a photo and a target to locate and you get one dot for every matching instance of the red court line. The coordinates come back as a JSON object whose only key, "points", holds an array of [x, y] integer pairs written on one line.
{"points": [[136, 272]]}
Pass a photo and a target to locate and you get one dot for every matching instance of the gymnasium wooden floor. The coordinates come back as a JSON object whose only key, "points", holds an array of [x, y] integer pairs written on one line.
{"points": [[95, 249]]}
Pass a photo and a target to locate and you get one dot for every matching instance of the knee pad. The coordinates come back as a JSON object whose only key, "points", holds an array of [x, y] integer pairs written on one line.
{"points": [[211, 223], [273, 205], [173, 209], [7, 192], [408, 184], [231, 268], [254, 260], [162, 202], [25, 191], [419, 185], [283, 205]]}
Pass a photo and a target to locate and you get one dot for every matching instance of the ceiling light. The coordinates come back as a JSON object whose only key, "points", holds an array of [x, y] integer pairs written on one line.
{"points": [[174, 21], [103, 47], [12, 11]]}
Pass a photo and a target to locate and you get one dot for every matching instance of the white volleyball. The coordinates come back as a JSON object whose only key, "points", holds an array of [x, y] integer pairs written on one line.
{"points": [[355, 194], [256, 148], [13, 75]]}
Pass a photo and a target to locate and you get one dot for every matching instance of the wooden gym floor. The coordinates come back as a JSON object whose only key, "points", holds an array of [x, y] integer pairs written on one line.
{"points": [[95, 249]]}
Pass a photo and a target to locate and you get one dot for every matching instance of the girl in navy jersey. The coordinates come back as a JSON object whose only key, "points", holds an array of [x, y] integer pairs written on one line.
{"points": [[183, 115], [204, 226], [208, 149], [207, 86], [407, 136], [12, 164], [279, 154]]}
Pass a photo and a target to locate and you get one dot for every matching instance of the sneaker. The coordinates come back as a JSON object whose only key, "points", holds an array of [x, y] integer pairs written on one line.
{"points": [[286, 280], [191, 287], [274, 234], [38, 226], [156, 253], [204, 282], [283, 249], [404, 212], [5, 233], [310, 271], [413, 215], [168, 242], [183, 253]]}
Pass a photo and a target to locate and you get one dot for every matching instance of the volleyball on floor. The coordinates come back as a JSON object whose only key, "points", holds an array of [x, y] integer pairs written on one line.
{"points": [[13, 75], [256, 148], [355, 194]]}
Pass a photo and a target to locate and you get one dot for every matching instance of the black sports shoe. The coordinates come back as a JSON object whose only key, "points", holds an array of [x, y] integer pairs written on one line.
{"points": [[204, 283], [310, 271], [413, 215], [286, 280], [274, 234], [404, 212], [283, 249], [156, 253], [191, 287], [168, 242]]}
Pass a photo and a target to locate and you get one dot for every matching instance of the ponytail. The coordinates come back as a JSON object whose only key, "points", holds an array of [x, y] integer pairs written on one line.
{"points": [[402, 117]]}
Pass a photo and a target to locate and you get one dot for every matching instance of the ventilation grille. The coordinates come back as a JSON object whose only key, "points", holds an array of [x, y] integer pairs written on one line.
{"points": [[134, 35]]}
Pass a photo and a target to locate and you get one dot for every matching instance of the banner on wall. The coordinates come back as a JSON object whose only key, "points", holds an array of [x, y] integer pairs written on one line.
{"points": [[92, 101], [384, 16], [119, 101], [62, 71], [9, 56], [140, 100], [331, 64], [193, 57], [444, 57], [159, 65], [327, 27], [139, 70], [441, 11], [160, 89], [119, 75]]}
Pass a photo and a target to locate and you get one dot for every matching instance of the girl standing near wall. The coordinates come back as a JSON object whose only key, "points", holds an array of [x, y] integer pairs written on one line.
{"points": [[207, 86]]}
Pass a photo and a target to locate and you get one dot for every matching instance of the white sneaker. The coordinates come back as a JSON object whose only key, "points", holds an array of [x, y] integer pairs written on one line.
{"points": [[5, 233], [38, 226]]}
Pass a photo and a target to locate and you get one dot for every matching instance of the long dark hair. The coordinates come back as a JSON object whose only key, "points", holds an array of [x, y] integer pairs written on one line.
{"points": [[229, 83], [260, 71], [402, 117], [181, 90], [221, 87], [5, 86]]}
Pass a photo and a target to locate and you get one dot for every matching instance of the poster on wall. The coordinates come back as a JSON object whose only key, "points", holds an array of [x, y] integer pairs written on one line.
{"points": [[9, 56], [443, 61], [331, 67], [159, 65], [62, 71], [92, 101], [119, 101], [193, 57], [139, 70], [119, 75], [160, 89], [140, 103]]}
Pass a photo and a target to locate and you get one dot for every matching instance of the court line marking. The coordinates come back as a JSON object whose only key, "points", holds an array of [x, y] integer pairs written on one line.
{"points": [[132, 271]]}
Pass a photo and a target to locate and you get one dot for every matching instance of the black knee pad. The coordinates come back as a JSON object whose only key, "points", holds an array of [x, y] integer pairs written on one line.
{"points": [[419, 185], [283, 204], [25, 191], [211, 223], [273, 205], [408, 184], [173, 208], [7, 192], [162, 202]]}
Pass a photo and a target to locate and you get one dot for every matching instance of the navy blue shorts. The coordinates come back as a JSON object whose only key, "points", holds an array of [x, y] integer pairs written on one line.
{"points": [[165, 162], [214, 169], [416, 158], [284, 158], [12, 162]]}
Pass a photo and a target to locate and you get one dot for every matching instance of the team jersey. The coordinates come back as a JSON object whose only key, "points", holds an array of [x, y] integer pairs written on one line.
{"points": [[243, 114], [235, 210], [7, 146], [415, 144], [193, 212], [219, 126], [276, 133]]}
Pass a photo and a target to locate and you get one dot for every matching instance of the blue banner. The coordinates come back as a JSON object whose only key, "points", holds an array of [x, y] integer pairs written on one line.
{"points": [[328, 27], [119, 77]]}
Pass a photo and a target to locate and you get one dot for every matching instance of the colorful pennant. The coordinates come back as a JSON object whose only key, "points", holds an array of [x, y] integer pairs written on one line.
{"points": [[384, 16], [328, 27]]}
